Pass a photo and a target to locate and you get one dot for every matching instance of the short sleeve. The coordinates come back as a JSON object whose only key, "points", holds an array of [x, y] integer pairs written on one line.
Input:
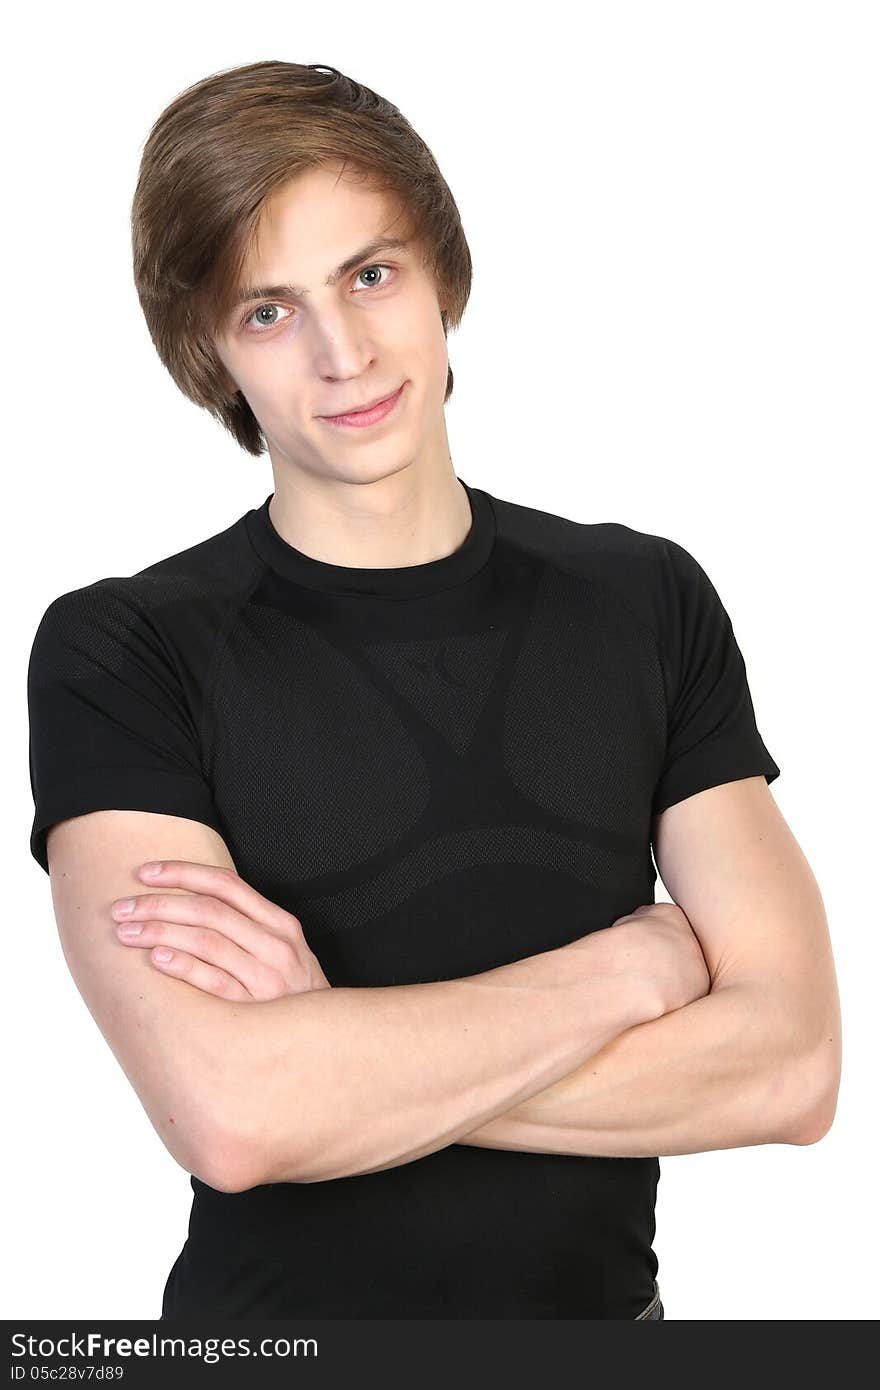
{"points": [[712, 735], [110, 728]]}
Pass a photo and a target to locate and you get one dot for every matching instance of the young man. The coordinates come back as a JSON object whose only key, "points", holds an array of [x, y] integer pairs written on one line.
{"points": [[403, 749]]}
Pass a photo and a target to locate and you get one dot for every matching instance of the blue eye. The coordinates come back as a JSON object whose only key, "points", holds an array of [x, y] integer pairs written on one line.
{"points": [[260, 307], [259, 311]]}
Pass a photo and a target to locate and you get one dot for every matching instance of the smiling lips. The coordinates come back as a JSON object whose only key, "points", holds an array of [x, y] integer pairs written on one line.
{"points": [[357, 409], [367, 415]]}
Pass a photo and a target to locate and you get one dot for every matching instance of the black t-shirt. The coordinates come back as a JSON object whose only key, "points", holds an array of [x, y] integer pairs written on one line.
{"points": [[439, 768]]}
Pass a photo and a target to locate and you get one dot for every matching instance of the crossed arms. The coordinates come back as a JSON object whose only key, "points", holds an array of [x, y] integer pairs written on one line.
{"points": [[563, 1052], [758, 1059]]}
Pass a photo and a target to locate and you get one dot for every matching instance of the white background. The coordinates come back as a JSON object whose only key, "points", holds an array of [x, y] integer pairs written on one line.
{"points": [[673, 215]]}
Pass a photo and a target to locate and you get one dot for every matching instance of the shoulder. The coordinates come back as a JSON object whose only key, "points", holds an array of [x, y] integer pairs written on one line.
{"points": [[643, 570], [170, 601], [219, 567], [599, 547]]}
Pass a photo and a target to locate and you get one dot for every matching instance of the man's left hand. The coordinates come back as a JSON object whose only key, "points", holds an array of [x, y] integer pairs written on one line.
{"points": [[224, 937]]}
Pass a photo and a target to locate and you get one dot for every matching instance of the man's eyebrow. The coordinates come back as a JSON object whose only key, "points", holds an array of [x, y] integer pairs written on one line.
{"points": [[372, 248]]}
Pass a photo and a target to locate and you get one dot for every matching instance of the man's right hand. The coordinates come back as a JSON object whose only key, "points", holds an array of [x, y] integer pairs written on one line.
{"points": [[657, 949]]}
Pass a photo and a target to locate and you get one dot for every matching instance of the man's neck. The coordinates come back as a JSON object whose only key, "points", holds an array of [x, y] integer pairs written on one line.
{"points": [[399, 520]]}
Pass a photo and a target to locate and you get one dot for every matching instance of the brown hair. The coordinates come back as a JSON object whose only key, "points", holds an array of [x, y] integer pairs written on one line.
{"points": [[211, 161]]}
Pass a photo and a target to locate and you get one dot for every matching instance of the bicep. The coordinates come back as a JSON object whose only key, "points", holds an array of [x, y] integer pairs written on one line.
{"points": [[730, 861], [167, 1036]]}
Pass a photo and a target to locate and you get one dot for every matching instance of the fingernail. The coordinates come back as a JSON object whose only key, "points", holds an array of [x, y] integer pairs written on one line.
{"points": [[130, 929], [163, 954], [152, 869]]}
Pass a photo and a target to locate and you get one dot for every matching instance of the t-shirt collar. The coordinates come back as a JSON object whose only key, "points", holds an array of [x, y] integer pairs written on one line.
{"points": [[405, 581]]}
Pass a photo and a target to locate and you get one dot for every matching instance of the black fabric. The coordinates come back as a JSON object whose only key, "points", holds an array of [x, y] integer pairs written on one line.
{"points": [[439, 769]]}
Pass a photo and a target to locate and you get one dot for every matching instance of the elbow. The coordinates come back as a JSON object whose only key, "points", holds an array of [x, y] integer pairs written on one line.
{"points": [[229, 1163], [819, 1076], [227, 1178], [236, 1161], [812, 1132], [816, 1122]]}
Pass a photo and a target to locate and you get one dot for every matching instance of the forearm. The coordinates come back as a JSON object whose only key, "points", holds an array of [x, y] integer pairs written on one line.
{"points": [[335, 1082], [723, 1072]]}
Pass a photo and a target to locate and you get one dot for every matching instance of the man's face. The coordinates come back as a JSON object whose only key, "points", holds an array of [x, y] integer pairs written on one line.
{"points": [[297, 356]]}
